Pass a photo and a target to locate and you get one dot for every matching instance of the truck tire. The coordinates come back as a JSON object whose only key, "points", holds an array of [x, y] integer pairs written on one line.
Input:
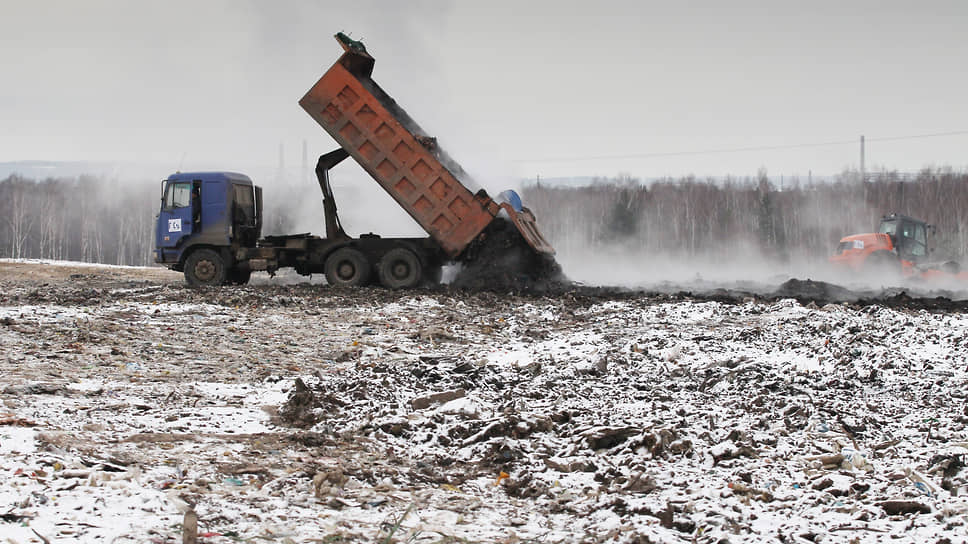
{"points": [[347, 267], [205, 268], [400, 269]]}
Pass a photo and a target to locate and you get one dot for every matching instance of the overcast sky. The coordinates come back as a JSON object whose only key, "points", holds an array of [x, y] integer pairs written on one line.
{"points": [[511, 89]]}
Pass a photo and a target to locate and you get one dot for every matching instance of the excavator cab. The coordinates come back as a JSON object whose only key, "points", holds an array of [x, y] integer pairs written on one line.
{"points": [[908, 235]]}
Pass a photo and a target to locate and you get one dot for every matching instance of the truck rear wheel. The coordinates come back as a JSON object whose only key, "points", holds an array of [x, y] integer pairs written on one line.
{"points": [[347, 267], [399, 269], [205, 267]]}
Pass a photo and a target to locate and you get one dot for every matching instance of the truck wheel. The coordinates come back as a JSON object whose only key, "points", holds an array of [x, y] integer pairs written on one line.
{"points": [[347, 267], [205, 267], [399, 269], [951, 267]]}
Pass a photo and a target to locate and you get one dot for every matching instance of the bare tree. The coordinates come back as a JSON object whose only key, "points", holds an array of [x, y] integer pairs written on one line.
{"points": [[19, 216]]}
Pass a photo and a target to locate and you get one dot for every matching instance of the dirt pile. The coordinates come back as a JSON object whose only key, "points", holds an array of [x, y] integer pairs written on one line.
{"points": [[818, 292], [501, 260]]}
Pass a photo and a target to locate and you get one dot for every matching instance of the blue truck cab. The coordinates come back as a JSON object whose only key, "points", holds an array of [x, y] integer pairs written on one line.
{"points": [[206, 219]]}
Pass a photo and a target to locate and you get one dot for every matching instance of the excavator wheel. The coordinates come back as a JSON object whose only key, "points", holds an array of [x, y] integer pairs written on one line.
{"points": [[400, 269], [347, 267], [205, 267]]}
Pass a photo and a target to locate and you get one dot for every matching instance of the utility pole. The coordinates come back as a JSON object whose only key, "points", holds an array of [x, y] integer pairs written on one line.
{"points": [[861, 158]]}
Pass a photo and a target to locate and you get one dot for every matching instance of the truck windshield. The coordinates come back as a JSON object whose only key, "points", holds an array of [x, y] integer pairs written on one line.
{"points": [[179, 195]]}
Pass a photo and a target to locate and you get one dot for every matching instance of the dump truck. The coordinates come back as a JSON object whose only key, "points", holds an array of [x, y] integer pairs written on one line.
{"points": [[210, 223], [900, 249]]}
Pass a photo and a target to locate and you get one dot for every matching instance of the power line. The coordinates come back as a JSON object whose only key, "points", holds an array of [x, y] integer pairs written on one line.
{"points": [[679, 153], [737, 149], [916, 136]]}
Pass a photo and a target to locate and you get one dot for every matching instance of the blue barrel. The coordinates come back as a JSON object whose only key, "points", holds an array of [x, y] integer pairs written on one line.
{"points": [[512, 198]]}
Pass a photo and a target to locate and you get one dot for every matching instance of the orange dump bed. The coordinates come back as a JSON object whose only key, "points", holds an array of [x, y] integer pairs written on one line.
{"points": [[402, 158]]}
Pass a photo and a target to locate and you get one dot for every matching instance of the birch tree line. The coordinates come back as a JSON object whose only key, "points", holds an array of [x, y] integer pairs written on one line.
{"points": [[82, 219], [730, 218], [111, 221]]}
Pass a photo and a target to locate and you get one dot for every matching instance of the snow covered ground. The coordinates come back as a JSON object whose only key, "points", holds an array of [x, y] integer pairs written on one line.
{"points": [[308, 414]]}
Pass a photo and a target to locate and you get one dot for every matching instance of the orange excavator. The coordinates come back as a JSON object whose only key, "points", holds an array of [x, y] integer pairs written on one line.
{"points": [[899, 248]]}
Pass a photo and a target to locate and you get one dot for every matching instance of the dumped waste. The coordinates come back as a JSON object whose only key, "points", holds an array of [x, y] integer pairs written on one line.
{"points": [[503, 261]]}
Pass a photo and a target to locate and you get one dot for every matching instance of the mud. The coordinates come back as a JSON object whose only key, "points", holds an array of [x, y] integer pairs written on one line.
{"points": [[528, 277]]}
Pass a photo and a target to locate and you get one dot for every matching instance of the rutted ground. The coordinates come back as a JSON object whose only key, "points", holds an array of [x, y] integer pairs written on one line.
{"points": [[313, 414]]}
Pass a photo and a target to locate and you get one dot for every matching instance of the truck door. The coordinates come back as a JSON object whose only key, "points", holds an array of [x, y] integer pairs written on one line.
{"points": [[245, 215], [919, 244], [178, 217]]}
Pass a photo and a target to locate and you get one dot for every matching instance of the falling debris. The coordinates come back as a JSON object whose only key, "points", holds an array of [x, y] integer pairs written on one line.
{"points": [[503, 261]]}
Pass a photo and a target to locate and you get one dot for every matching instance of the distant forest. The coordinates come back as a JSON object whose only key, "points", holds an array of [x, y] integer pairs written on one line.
{"points": [[83, 219], [727, 219], [109, 221]]}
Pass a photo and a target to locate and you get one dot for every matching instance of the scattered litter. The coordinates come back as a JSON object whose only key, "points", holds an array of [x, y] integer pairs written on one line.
{"points": [[12, 420], [301, 413]]}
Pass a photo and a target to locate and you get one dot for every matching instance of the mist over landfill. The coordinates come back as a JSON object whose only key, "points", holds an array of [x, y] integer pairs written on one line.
{"points": [[675, 108]]}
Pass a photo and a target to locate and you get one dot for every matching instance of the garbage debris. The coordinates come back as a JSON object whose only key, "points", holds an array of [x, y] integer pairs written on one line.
{"points": [[503, 261], [300, 412]]}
